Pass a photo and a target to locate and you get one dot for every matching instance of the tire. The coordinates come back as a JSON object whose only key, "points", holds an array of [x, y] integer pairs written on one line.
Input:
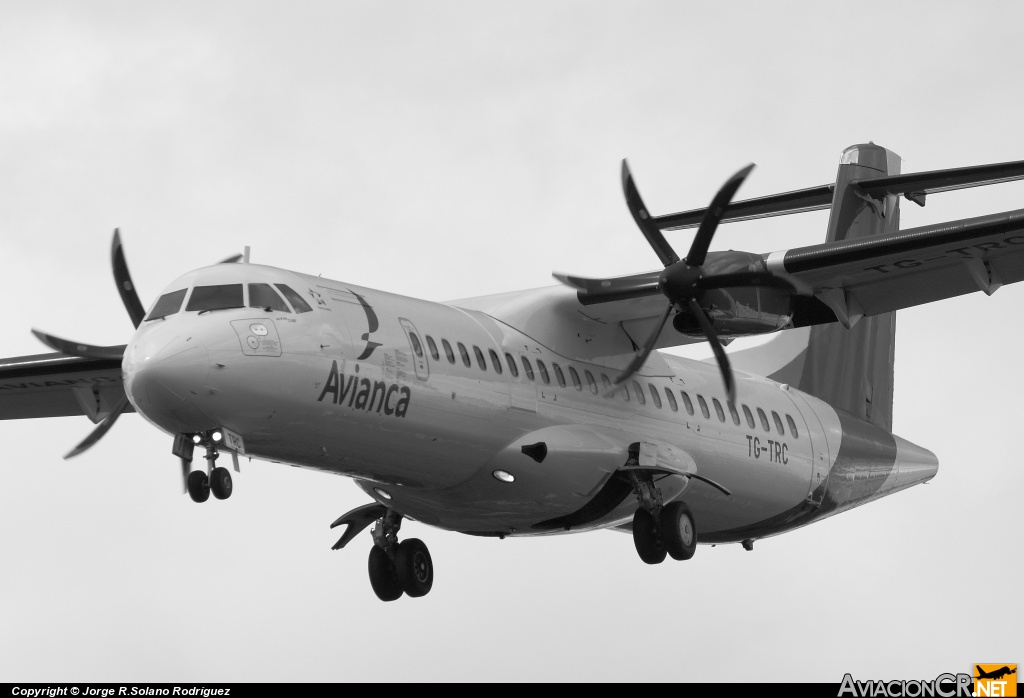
{"points": [[198, 486], [383, 577], [646, 539], [415, 568], [678, 531], [220, 483]]}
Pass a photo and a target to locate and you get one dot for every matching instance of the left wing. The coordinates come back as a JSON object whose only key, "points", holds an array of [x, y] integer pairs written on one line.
{"points": [[56, 385]]}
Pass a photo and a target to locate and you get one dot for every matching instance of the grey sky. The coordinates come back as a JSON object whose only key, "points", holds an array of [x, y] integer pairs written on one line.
{"points": [[450, 149]]}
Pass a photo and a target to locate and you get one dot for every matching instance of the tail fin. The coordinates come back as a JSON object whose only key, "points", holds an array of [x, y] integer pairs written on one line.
{"points": [[847, 364]]}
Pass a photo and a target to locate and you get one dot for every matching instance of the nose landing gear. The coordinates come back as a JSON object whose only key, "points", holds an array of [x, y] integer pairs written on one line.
{"points": [[198, 483]]}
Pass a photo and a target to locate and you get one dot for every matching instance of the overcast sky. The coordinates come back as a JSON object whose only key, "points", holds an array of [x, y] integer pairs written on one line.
{"points": [[452, 149]]}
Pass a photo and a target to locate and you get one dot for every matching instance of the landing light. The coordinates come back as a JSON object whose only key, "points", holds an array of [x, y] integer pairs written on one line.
{"points": [[196, 438], [382, 493], [217, 436], [503, 476]]}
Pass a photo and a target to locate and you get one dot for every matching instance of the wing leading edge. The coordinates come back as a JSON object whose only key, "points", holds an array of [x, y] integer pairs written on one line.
{"points": [[56, 385]]}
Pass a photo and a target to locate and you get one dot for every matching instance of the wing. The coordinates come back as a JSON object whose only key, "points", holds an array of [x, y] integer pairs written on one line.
{"points": [[56, 385], [868, 276]]}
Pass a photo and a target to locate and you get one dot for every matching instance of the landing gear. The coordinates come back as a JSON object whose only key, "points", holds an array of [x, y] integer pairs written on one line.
{"points": [[660, 530], [220, 483], [395, 568], [678, 531], [198, 483], [198, 486]]}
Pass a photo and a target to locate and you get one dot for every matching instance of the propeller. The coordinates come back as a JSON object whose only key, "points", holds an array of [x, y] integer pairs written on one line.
{"points": [[684, 281], [136, 313]]}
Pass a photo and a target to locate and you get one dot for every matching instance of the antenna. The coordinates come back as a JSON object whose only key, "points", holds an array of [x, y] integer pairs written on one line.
{"points": [[245, 255]]}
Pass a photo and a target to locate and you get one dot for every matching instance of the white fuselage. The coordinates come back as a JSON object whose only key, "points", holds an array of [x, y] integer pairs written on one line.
{"points": [[363, 385]]}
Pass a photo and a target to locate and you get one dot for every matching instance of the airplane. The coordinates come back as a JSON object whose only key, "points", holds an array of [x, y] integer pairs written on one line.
{"points": [[550, 411], [995, 674]]}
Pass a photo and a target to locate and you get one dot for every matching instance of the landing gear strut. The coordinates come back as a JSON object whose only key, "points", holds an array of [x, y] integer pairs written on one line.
{"points": [[660, 530]]}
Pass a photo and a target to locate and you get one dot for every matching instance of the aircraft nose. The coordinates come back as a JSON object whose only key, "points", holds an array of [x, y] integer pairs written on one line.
{"points": [[164, 372]]}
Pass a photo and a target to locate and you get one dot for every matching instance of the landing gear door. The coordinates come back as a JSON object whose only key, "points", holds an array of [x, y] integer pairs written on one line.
{"points": [[419, 356]]}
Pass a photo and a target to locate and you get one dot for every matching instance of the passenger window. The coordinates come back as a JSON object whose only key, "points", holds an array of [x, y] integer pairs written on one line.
{"points": [[559, 376], [686, 402], [511, 364], [297, 301], [219, 297], [575, 378], [625, 393], [792, 427], [654, 395], [778, 422], [750, 417], [263, 296], [590, 381], [704, 407], [718, 409], [167, 304], [433, 348], [764, 419], [606, 382], [464, 354], [639, 392], [495, 361], [448, 351], [735, 415], [416, 346], [671, 400], [543, 372], [527, 367], [480, 358]]}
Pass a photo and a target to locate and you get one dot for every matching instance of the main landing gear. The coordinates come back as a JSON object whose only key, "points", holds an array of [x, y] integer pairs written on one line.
{"points": [[395, 568], [200, 483], [661, 530]]}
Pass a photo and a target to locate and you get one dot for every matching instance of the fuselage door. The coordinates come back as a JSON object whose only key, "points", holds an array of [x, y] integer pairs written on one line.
{"points": [[419, 354], [819, 446]]}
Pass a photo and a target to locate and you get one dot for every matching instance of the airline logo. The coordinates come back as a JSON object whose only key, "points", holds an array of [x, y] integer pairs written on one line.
{"points": [[995, 680]]}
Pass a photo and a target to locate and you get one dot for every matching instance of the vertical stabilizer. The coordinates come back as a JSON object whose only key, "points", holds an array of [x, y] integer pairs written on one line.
{"points": [[848, 364]]}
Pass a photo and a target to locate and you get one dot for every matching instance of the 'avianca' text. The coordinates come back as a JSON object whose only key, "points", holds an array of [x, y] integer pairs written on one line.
{"points": [[364, 394]]}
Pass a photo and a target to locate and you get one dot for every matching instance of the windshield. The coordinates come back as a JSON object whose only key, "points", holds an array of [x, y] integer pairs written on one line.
{"points": [[215, 297], [263, 296], [167, 304]]}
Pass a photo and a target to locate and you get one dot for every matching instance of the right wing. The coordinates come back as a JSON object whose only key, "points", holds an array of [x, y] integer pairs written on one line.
{"points": [[56, 385]]}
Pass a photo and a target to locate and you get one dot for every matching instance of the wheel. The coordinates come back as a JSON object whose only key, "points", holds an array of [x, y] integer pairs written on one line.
{"points": [[646, 539], [415, 568], [198, 486], [383, 577], [678, 531], [220, 483]]}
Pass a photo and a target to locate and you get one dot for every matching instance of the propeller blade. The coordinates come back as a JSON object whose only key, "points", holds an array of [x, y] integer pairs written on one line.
{"points": [[716, 346], [86, 351], [643, 219], [745, 278], [712, 216], [99, 431], [125, 287], [644, 352]]}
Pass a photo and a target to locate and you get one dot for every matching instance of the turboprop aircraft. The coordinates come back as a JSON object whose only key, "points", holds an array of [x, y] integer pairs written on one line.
{"points": [[550, 410]]}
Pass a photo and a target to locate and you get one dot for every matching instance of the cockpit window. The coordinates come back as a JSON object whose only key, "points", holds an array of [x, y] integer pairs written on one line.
{"points": [[263, 296], [300, 305], [218, 297], [167, 304]]}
